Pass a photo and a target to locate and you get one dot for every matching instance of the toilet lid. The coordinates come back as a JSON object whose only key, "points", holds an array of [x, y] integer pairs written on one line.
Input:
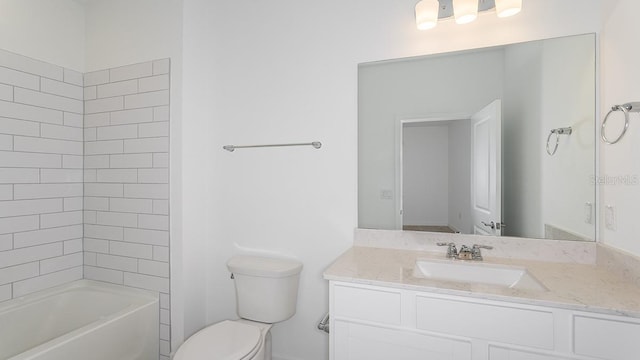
{"points": [[226, 340]]}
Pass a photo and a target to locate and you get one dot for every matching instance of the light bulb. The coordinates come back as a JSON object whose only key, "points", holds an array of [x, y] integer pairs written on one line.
{"points": [[465, 11], [427, 14], [506, 8]]}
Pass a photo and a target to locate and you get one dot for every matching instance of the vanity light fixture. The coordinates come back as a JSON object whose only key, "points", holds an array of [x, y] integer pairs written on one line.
{"points": [[428, 12]]}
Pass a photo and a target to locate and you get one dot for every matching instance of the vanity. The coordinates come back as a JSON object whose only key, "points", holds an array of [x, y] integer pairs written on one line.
{"points": [[384, 304]]}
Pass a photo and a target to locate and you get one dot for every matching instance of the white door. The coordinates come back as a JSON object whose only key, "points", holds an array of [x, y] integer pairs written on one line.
{"points": [[486, 171]]}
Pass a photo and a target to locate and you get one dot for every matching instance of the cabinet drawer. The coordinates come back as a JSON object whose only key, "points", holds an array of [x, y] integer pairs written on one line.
{"points": [[366, 304], [504, 324], [503, 353], [606, 338]]}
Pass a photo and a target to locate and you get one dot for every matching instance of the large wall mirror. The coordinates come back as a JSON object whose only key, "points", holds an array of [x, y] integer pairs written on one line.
{"points": [[496, 141]]}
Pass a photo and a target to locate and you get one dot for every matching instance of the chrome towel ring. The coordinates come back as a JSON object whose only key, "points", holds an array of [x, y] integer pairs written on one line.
{"points": [[558, 132], [626, 109]]}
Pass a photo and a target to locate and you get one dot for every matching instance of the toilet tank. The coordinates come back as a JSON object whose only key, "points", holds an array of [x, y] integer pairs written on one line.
{"points": [[266, 288]]}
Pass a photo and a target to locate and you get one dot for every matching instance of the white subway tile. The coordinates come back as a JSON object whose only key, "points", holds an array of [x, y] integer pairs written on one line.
{"points": [[31, 97], [99, 119], [148, 282], [29, 207], [149, 237], [118, 132], [161, 66], [154, 83], [103, 147], [31, 144], [102, 232], [90, 217], [155, 129], [61, 89], [161, 160], [101, 274], [117, 219], [131, 71], [96, 77], [6, 142], [5, 292], [100, 189], [6, 192], [103, 105], [126, 161], [90, 134], [146, 191], [73, 77], [140, 251], [25, 255], [165, 333], [90, 258], [31, 113], [60, 176], [72, 161], [159, 144], [96, 161], [161, 113], [117, 262], [117, 175], [165, 301], [155, 268], [19, 127], [161, 207], [28, 286], [95, 203], [29, 160], [90, 176], [29, 65], [91, 93], [165, 316], [6, 242], [61, 132], [73, 203], [73, 119], [44, 191], [161, 253], [39, 237], [6, 92], [19, 176], [134, 116], [61, 263], [117, 88], [95, 245], [72, 246], [19, 78], [130, 205], [18, 272], [154, 222], [149, 99], [60, 219]]}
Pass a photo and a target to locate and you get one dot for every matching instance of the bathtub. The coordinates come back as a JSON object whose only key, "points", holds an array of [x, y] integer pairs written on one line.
{"points": [[81, 320]]}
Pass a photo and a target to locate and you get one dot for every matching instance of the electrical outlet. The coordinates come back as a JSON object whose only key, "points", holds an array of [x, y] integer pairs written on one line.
{"points": [[386, 194], [588, 213], [610, 217]]}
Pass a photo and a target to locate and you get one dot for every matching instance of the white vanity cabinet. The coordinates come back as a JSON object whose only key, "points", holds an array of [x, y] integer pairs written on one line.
{"points": [[373, 322]]}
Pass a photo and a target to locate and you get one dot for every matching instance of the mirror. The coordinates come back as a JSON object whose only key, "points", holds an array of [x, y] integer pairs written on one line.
{"points": [[430, 158]]}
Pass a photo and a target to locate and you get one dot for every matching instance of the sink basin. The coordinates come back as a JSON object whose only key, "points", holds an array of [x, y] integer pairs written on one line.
{"points": [[513, 277]]}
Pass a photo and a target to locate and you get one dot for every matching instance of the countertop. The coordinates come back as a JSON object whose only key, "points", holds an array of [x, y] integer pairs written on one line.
{"points": [[574, 286]]}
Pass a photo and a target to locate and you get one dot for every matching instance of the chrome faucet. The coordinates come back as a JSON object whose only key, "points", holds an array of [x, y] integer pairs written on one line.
{"points": [[476, 254], [452, 252], [465, 253]]}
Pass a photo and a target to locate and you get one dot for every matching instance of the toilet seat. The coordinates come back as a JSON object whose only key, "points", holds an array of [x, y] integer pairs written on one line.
{"points": [[226, 340]]}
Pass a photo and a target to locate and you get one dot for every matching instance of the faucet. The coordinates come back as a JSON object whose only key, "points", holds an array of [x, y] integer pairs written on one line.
{"points": [[452, 252], [465, 253]]}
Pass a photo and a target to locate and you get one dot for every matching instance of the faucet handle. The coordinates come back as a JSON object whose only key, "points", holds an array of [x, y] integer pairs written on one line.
{"points": [[452, 252], [476, 246], [476, 254]]}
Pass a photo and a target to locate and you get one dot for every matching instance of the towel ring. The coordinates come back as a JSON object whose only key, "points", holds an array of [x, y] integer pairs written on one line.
{"points": [[626, 109], [558, 132]]}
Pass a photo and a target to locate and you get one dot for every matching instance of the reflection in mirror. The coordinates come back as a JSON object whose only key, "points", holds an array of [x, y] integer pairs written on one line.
{"points": [[431, 158]]}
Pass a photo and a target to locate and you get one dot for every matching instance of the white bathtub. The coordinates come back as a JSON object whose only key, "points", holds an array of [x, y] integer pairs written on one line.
{"points": [[81, 320]]}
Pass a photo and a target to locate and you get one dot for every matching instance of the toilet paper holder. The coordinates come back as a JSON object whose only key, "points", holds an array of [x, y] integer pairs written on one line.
{"points": [[324, 324]]}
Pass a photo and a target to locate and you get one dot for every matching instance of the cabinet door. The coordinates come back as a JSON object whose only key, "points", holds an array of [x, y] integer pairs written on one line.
{"points": [[357, 342], [502, 353]]}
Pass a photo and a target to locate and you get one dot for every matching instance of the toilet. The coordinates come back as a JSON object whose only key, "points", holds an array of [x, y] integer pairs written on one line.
{"points": [[266, 293]]}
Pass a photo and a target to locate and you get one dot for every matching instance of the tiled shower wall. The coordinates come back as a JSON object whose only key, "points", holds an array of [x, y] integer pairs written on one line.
{"points": [[40, 175], [126, 176]]}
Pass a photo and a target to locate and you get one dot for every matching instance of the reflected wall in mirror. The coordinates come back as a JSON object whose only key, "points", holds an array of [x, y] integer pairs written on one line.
{"points": [[425, 164]]}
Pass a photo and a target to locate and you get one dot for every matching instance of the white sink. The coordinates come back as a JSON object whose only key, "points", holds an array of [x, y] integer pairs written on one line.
{"points": [[513, 277]]}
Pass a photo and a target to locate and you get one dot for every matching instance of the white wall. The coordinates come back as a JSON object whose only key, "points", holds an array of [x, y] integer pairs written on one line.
{"points": [[459, 217], [287, 72], [620, 75], [425, 165], [47, 30]]}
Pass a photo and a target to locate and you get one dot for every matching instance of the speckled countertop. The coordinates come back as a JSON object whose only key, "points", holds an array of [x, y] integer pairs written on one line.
{"points": [[583, 287]]}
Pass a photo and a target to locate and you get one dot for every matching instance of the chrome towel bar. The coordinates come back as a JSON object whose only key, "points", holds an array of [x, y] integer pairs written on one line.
{"points": [[231, 148], [626, 109]]}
